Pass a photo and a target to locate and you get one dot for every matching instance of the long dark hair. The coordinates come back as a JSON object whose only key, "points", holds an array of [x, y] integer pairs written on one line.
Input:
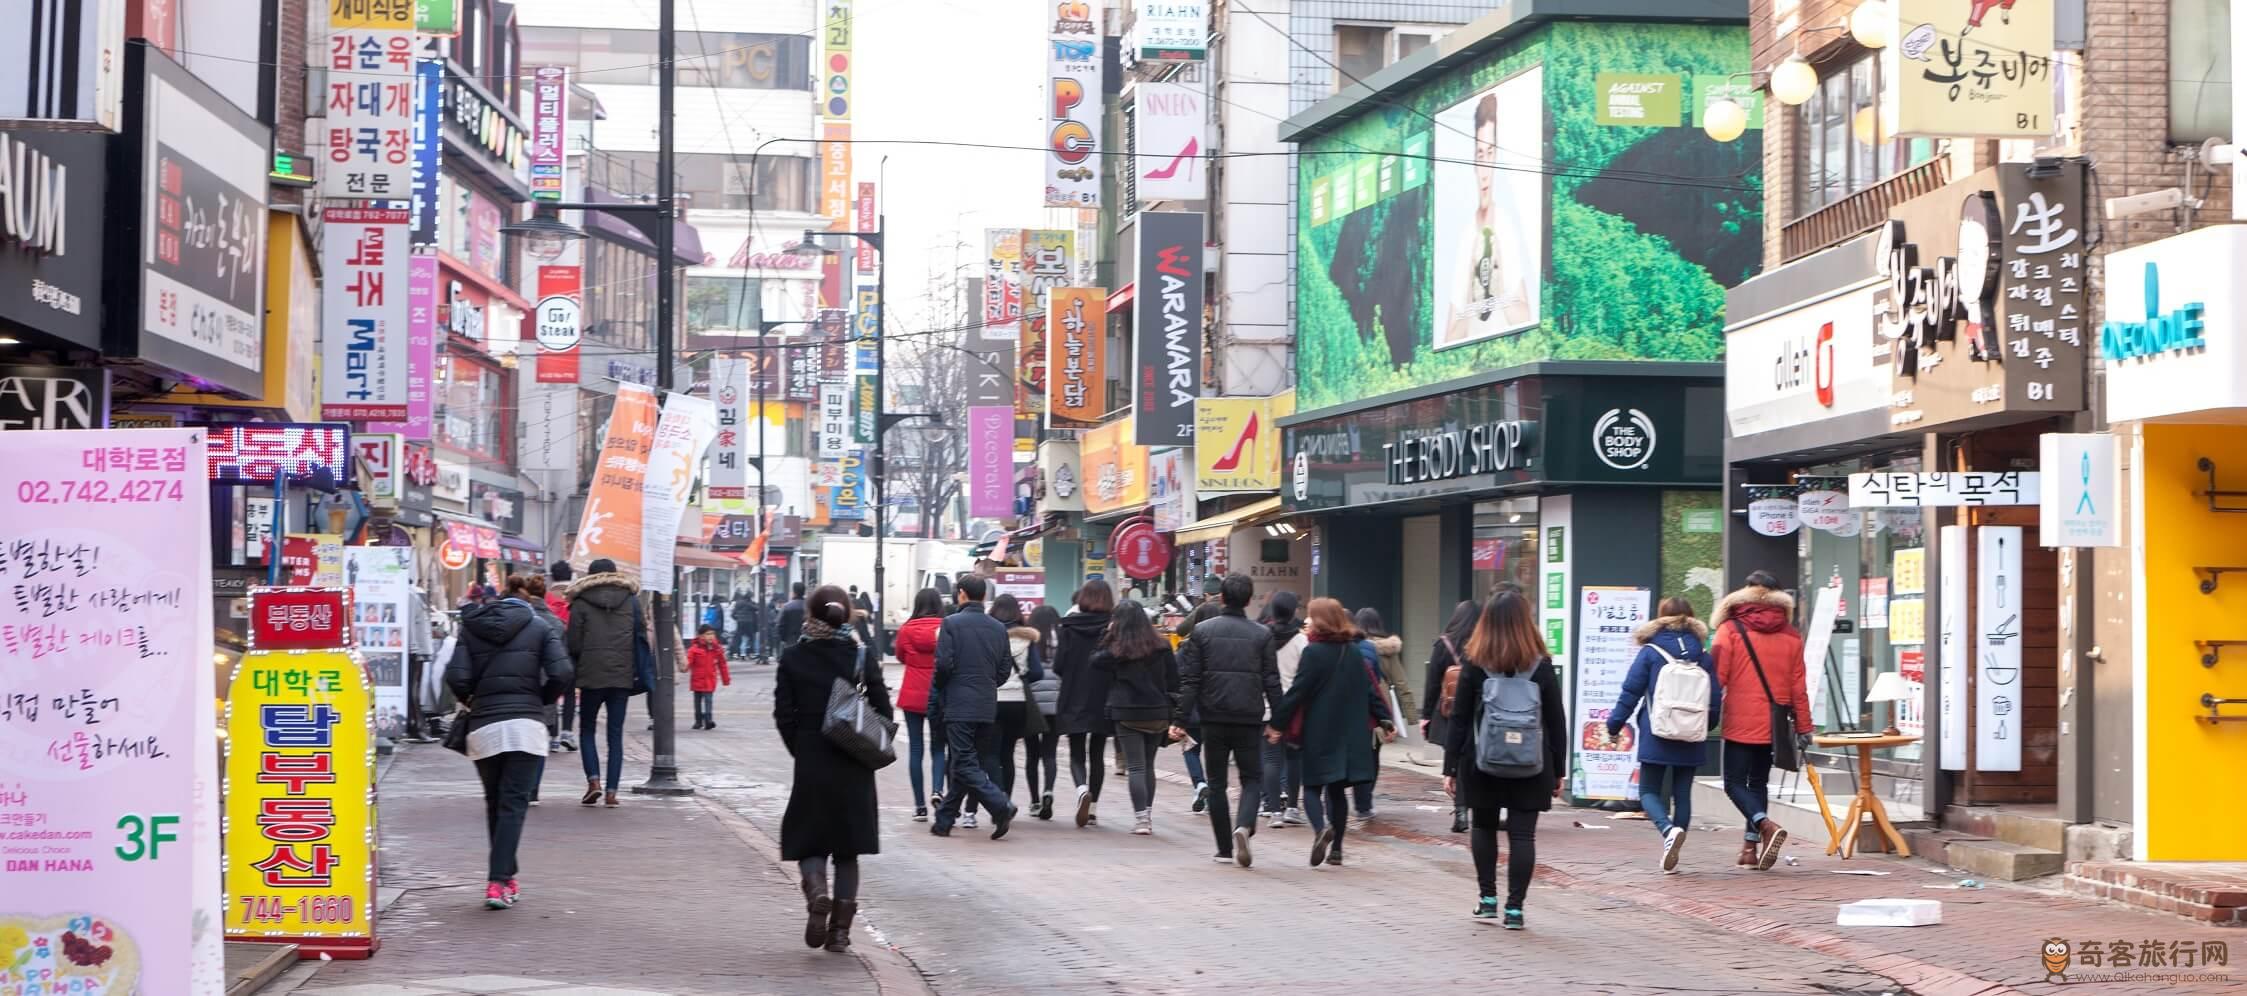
{"points": [[928, 603], [1131, 635], [1462, 624], [1506, 640], [1369, 620], [1007, 609], [1045, 618]]}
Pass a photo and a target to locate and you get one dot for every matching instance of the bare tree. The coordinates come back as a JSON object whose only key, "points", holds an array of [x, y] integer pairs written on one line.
{"points": [[929, 460]]}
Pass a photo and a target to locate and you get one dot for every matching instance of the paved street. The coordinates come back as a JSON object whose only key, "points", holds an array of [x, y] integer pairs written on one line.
{"points": [[686, 897]]}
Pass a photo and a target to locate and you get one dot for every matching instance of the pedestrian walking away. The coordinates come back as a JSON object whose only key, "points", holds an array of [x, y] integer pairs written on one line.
{"points": [[833, 817], [1759, 664], [791, 625], [1082, 707], [1142, 696], [971, 659], [1045, 693], [1673, 691], [607, 631], [558, 575], [530, 589], [1508, 741], [1228, 674], [1385, 652], [1020, 721], [916, 649], [705, 668], [748, 626], [1283, 763], [1333, 712], [507, 666], [1442, 683]]}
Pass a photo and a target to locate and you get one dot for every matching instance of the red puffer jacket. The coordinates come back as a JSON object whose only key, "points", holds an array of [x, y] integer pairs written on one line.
{"points": [[1766, 614], [916, 649]]}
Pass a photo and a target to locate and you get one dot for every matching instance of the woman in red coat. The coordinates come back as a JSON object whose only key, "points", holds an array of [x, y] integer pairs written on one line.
{"points": [[916, 649], [706, 670], [1757, 647]]}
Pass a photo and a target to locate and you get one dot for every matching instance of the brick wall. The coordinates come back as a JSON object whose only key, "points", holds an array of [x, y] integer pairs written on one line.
{"points": [[1768, 48], [289, 109], [2125, 92]]}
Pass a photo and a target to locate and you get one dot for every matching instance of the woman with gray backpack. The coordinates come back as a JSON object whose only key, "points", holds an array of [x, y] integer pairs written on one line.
{"points": [[1672, 688], [1508, 741]]}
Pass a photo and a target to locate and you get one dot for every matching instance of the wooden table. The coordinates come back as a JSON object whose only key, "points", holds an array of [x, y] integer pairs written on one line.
{"points": [[1866, 803]]}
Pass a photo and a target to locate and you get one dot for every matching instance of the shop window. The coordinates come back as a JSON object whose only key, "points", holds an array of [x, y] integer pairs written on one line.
{"points": [[472, 406], [1872, 566], [2199, 71], [1505, 546], [1843, 145], [730, 303]]}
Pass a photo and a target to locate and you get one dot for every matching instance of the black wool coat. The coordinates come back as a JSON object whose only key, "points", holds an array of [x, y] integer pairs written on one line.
{"points": [[832, 809]]}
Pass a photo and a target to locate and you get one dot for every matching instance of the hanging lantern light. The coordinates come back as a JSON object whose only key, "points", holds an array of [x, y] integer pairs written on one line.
{"points": [[1873, 24], [1793, 82], [1725, 119]]}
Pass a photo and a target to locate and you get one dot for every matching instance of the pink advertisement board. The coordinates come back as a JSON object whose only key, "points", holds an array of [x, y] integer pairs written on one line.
{"points": [[421, 351], [990, 456]]}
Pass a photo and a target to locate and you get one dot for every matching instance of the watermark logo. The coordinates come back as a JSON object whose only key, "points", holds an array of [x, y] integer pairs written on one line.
{"points": [[2143, 960]]}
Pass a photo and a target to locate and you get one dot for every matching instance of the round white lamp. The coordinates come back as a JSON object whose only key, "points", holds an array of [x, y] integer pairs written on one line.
{"points": [[1873, 24], [1725, 119], [1793, 82]]}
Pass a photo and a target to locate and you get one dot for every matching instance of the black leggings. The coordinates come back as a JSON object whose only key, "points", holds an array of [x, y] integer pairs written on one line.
{"points": [[814, 870], [1044, 749], [1098, 756], [1521, 846]]}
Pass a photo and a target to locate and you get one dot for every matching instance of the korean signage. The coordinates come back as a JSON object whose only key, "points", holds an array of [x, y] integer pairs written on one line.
{"points": [[834, 420], [2172, 335], [367, 136], [105, 728], [421, 350], [1999, 597], [428, 141], [560, 323], [364, 351], [1167, 336], [990, 461], [869, 219], [53, 398], [2079, 500], [550, 102], [417, 491], [1029, 370], [1076, 361], [51, 232], [849, 499], [834, 100], [1606, 617], [1115, 468], [1171, 122], [1943, 490], [256, 452], [1170, 31], [1073, 87], [1981, 69], [1003, 282], [381, 579], [729, 459], [380, 471], [202, 257], [685, 430], [611, 525], [299, 788], [484, 124], [503, 506], [437, 17], [1048, 262], [1236, 445]]}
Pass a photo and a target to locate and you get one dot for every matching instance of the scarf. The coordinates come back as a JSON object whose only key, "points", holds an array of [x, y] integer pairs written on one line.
{"points": [[816, 629]]}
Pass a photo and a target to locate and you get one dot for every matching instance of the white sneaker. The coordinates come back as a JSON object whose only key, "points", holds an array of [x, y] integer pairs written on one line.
{"points": [[1294, 816], [1143, 823], [1278, 820], [967, 821], [1672, 843]]}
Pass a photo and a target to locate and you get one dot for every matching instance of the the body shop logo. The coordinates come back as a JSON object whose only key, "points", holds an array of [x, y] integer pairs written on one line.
{"points": [[1624, 439]]}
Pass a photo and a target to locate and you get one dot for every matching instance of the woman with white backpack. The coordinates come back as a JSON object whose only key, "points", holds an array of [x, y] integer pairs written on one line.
{"points": [[1672, 689]]}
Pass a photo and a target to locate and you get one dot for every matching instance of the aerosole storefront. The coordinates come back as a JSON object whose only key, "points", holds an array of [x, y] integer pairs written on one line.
{"points": [[2175, 344]]}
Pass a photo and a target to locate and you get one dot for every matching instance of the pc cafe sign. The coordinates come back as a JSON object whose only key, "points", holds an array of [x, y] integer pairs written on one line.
{"points": [[2171, 332]]}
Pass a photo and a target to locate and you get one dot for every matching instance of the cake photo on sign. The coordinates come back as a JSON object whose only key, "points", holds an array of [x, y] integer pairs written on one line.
{"points": [[77, 954]]}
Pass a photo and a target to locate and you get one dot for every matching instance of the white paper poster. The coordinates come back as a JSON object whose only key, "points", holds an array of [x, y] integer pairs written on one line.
{"points": [[1606, 618], [686, 428], [381, 580], [364, 337], [1997, 648], [1825, 607], [1952, 643]]}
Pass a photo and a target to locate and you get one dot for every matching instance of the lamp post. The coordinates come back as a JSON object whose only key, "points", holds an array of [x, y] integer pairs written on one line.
{"points": [[764, 524]]}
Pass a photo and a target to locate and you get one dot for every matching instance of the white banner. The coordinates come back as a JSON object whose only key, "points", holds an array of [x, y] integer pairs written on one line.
{"points": [[729, 460], [1943, 490], [1998, 615], [834, 420], [365, 369], [1953, 644], [381, 580], [1606, 619], [1171, 122], [367, 139], [685, 430], [1072, 169]]}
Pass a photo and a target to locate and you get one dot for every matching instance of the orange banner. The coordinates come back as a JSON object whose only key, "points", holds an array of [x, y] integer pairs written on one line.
{"points": [[611, 527], [1075, 367], [1115, 468]]}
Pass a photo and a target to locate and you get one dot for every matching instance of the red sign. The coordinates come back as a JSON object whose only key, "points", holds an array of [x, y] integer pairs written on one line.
{"points": [[1490, 554], [867, 222], [558, 324], [256, 452], [487, 542], [454, 556], [300, 560], [300, 619], [1138, 550]]}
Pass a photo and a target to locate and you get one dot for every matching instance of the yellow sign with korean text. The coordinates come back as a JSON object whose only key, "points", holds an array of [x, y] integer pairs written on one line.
{"points": [[388, 15], [1115, 468], [299, 799], [1967, 69], [1237, 444]]}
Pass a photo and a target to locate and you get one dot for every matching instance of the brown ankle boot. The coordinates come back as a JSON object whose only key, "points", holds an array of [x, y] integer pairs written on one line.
{"points": [[1774, 838], [838, 925], [1748, 850], [821, 909]]}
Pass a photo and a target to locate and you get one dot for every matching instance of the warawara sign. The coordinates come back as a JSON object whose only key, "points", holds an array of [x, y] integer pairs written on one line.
{"points": [[1167, 359], [2171, 339], [1486, 448]]}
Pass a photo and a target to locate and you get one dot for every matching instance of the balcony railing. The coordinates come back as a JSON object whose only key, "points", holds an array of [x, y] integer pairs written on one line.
{"points": [[1862, 211]]}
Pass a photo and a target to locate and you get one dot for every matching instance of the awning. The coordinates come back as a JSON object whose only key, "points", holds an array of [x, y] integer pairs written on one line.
{"points": [[1222, 524], [1121, 298], [520, 551], [689, 556]]}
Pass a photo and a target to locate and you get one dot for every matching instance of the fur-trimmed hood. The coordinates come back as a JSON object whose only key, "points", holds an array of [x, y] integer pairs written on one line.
{"points": [[1387, 645], [1028, 633], [1766, 610], [1681, 624], [607, 590]]}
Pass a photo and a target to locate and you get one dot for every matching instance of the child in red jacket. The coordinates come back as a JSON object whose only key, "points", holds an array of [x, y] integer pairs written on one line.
{"points": [[706, 670]]}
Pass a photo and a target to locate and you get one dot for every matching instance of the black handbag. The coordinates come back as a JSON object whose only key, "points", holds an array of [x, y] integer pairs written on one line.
{"points": [[1784, 756], [853, 726], [456, 731]]}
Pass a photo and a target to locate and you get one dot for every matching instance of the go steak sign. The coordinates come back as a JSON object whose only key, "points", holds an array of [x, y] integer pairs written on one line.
{"points": [[1167, 329]]}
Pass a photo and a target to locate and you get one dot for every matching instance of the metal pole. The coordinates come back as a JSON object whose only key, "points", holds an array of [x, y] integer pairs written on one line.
{"points": [[764, 523], [663, 775], [881, 428]]}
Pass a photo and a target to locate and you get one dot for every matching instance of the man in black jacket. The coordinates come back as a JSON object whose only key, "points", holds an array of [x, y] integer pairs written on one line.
{"points": [[748, 626], [972, 657], [792, 618], [1228, 670]]}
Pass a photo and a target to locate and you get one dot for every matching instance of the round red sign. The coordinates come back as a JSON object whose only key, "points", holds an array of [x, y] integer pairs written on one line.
{"points": [[1139, 551], [454, 557]]}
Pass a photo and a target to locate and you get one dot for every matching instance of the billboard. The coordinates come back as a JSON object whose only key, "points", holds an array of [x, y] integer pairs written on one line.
{"points": [[1072, 158], [1959, 71], [1170, 124], [1237, 443], [1166, 373], [1114, 467], [364, 351], [1611, 242], [1076, 368]]}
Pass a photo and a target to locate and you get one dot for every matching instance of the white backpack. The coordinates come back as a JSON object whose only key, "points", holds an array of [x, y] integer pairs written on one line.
{"points": [[1681, 700]]}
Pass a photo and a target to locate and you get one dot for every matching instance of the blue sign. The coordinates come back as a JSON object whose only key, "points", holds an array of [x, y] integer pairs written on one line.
{"points": [[849, 501], [2174, 332], [428, 119]]}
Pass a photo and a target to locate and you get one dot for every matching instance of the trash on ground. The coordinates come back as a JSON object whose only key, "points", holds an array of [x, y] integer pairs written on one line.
{"points": [[1581, 825], [1890, 913], [1857, 871]]}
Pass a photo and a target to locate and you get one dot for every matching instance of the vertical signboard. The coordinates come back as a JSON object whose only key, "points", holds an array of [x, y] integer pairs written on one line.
{"points": [[869, 219], [381, 579], [428, 139], [550, 102], [1029, 371], [1002, 282], [835, 190], [729, 460], [1048, 262], [1604, 651], [1114, 467], [1556, 574], [611, 525], [1953, 643], [1076, 366], [105, 726], [834, 420], [2080, 492], [988, 368], [685, 430], [560, 323], [1167, 328], [363, 305], [1998, 602], [990, 461], [202, 179], [1980, 68], [368, 133], [1073, 86], [1170, 121]]}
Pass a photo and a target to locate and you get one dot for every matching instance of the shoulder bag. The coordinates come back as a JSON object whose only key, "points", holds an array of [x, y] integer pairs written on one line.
{"points": [[1783, 753], [854, 727]]}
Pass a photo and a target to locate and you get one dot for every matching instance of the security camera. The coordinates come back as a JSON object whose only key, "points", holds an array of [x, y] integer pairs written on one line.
{"points": [[2134, 205]]}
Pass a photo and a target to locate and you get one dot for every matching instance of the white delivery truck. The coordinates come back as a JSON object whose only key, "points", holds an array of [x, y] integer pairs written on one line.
{"points": [[913, 564]]}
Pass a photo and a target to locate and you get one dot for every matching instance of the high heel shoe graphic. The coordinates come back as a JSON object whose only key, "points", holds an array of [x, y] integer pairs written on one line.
{"points": [[1231, 461], [1193, 145]]}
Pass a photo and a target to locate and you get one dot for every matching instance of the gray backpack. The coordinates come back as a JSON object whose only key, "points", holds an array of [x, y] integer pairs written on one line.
{"points": [[1509, 735]]}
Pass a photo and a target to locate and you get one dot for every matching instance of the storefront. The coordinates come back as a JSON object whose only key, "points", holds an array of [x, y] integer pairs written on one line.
{"points": [[2175, 344], [52, 264]]}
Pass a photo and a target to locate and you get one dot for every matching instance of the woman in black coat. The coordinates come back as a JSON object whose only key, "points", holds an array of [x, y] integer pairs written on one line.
{"points": [[832, 812], [1082, 709], [1505, 645], [1142, 693], [1435, 727]]}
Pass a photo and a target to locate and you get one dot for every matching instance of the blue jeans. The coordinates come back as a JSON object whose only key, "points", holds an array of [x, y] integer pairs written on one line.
{"points": [[589, 703], [915, 724], [1666, 790], [1194, 758], [1283, 776], [1747, 774]]}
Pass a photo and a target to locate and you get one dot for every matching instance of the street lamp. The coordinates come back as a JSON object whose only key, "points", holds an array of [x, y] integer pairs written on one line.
{"points": [[764, 524]]}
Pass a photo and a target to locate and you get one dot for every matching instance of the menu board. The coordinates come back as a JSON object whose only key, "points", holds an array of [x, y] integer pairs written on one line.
{"points": [[299, 795], [1604, 651], [108, 753]]}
